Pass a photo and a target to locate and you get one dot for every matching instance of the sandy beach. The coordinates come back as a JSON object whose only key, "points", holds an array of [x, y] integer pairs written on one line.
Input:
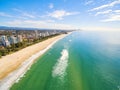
{"points": [[13, 61]]}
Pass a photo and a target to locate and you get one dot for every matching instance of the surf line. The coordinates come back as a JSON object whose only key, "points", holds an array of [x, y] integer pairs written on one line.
{"points": [[16, 75], [59, 70]]}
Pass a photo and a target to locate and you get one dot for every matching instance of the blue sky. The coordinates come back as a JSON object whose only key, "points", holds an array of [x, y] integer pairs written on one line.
{"points": [[61, 14]]}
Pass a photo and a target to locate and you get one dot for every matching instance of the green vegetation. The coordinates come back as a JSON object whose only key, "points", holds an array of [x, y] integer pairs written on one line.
{"points": [[15, 47]]}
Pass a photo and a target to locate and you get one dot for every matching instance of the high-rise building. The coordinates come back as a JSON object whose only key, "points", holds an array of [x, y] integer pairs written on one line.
{"points": [[19, 38], [13, 39], [36, 34], [4, 41]]}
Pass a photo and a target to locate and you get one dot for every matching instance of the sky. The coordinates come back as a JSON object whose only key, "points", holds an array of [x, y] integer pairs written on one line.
{"points": [[61, 14]]}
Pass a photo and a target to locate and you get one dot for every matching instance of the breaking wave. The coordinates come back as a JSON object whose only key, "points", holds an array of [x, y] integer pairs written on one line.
{"points": [[59, 70], [16, 75]]}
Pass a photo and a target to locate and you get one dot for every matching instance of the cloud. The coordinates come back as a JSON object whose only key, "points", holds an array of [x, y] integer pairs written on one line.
{"points": [[100, 28], [2, 14], [89, 2], [5, 15], [106, 5], [117, 11], [28, 15], [51, 6], [112, 18], [39, 24], [103, 12], [60, 14], [24, 14]]}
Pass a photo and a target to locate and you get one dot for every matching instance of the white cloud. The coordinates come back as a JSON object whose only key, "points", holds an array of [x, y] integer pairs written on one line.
{"points": [[112, 18], [11, 16], [39, 24], [60, 14], [5, 15], [106, 5], [24, 14], [51, 6], [28, 15], [117, 11], [26, 23], [89, 2], [98, 28], [103, 12]]}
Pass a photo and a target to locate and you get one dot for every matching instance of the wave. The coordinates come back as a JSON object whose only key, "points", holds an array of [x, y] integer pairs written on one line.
{"points": [[59, 70], [16, 75]]}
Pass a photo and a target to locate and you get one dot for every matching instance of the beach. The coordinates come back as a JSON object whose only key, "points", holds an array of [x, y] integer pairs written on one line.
{"points": [[69, 64], [13, 61]]}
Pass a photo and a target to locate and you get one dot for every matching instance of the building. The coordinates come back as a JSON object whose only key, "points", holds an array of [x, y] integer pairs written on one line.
{"points": [[4, 41], [36, 34], [19, 38], [13, 39]]}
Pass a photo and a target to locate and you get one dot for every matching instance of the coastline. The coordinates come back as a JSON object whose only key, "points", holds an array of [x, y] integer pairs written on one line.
{"points": [[26, 62]]}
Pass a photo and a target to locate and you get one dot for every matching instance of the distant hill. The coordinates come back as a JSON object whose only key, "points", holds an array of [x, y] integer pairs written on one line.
{"points": [[18, 28]]}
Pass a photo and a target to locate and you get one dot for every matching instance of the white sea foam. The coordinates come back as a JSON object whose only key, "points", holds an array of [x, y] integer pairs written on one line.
{"points": [[15, 76], [59, 70]]}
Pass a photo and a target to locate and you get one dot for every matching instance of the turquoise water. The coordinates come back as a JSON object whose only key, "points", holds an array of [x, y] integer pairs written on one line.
{"points": [[80, 61]]}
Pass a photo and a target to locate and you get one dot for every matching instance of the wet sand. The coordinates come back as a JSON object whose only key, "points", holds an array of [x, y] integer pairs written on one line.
{"points": [[13, 61]]}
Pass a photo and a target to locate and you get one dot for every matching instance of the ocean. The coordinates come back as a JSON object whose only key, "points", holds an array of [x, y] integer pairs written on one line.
{"points": [[83, 60]]}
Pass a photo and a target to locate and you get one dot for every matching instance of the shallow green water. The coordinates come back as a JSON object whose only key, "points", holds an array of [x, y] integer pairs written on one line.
{"points": [[80, 61]]}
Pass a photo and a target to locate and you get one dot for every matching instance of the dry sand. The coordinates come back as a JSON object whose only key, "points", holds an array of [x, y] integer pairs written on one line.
{"points": [[13, 61]]}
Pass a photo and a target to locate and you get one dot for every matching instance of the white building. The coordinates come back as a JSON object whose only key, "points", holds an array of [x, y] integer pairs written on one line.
{"points": [[36, 34], [19, 38], [4, 41], [13, 39]]}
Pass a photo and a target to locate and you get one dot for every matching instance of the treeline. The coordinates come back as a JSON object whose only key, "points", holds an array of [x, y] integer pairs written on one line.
{"points": [[15, 47]]}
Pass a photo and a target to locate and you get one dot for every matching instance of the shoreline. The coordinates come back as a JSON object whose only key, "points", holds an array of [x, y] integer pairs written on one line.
{"points": [[16, 74]]}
